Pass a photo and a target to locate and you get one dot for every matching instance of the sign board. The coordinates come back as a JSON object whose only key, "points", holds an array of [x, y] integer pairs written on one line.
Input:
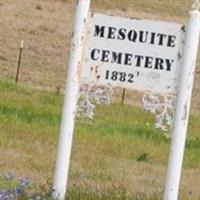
{"points": [[132, 53]]}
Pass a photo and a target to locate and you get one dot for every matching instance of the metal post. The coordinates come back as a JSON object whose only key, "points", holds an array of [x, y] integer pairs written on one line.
{"points": [[19, 61], [70, 102], [123, 95], [183, 107]]}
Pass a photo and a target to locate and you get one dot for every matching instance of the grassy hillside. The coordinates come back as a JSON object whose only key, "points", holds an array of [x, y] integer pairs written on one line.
{"points": [[118, 155]]}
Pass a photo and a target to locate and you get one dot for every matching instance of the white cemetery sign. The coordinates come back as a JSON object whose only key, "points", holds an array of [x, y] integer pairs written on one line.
{"points": [[133, 53], [137, 54]]}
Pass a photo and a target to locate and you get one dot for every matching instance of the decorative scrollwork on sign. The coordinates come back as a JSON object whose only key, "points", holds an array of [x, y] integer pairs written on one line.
{"points": [[90, 96], [162, 106], [196, 5]]}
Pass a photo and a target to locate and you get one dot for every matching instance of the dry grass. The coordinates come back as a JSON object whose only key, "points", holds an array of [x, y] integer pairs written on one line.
{"points": [[45, 26]]}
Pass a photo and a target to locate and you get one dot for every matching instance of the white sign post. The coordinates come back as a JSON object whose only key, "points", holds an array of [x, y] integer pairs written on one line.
{"points": [[70, 102], [180, 122]]}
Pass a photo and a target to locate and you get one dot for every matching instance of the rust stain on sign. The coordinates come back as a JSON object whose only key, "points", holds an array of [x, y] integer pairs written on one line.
{"points": [[98, 77], [183, 28], [96, 72]]}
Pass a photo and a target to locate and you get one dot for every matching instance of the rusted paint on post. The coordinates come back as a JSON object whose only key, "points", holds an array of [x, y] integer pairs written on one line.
{"points": [[70, 101], [183, 107]]}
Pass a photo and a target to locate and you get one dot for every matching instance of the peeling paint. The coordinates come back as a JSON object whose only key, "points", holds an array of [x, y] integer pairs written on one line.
{"points": [[179, 55], [185, 113], [72, 34], [96, 69], [168, 86], [183, 28]]}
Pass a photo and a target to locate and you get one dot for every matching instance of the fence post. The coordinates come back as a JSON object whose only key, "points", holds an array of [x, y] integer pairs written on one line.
{"points": [[181, 117], [70, 101], [123, 95], [19, 61]]}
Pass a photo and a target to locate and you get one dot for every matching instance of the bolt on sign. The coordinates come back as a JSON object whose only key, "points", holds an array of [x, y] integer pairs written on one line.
{"points": [[138, 54], [133, 53]]}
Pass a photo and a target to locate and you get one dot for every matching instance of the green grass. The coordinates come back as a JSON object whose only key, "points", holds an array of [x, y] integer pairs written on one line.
{"points": [[117, 155], [7, 184]]}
